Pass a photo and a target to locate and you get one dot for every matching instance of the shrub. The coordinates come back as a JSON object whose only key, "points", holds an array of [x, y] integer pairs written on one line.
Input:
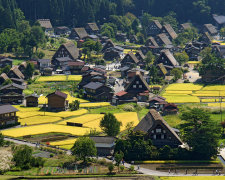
{"points": [[51, 155], [110, 167], [122, 168], [129, 108], [131, 168], [102, 162]]}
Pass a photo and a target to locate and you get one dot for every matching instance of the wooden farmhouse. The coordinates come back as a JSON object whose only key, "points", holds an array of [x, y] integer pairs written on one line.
{"points": [[129, 60], [68, 50], [12, 94], [3, 78], [107, 45], [6, 62], [92, 76], [154, 28], [210, 29], [57, 101], [185, 26], [43, 63], [206, 38], [133, 39], [140, 56], [136, 90], [158, 130], [32, 100], [92, 28], [169, 31], [75, 67], [105, 145], [18, 81], [61, 62], [46, 24], [61, 30], [219, 20], [98, 92], [162, 40], [8, 115], [151, 42], [78, 33], [167, 59], [15, 73], [22, 67]]}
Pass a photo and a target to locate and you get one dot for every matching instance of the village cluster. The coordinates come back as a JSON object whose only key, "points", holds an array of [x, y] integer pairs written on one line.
{"points": [[126, 79]]}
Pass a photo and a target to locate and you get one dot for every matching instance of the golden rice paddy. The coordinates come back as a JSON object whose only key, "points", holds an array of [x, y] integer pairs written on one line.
{"points": [[43, 129]]}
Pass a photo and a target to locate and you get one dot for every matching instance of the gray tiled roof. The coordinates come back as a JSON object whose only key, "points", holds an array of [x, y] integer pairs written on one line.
{"points": [[7, 109]]}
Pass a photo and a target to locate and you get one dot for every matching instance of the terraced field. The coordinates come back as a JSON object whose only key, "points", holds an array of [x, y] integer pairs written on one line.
{"points": [[191, 93], [59, 78]]}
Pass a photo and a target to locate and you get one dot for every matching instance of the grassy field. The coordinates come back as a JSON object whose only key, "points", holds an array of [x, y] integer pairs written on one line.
{"points": [[43, 129]]}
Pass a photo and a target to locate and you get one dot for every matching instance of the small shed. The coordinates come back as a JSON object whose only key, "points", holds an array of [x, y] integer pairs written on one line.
{"points": [[105, 145], [32, 100], [57, 101]]}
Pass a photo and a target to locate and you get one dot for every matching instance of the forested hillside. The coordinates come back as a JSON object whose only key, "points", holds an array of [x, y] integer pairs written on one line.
{"points": [[79, 12]]}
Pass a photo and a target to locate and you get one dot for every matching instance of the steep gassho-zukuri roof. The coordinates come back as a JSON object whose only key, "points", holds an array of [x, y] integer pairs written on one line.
{"points": [[133, 80], [211, 28], [17, 72], [93, 26], [164, 39], [170, 31], [81, 32], [150, 120], [132, 56], [45, 23], [170, 56], [74, 52]]}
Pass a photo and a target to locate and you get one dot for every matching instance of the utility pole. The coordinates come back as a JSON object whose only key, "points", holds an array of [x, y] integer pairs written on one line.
{"points": [[220, 99]]}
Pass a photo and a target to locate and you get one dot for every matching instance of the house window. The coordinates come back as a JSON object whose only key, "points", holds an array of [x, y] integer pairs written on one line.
{"points": [[134, 86], [152, 131], [137, 82], [140, 86], [164, 131], [158, 130], [154, 137], [158, 136], [162, 136]]}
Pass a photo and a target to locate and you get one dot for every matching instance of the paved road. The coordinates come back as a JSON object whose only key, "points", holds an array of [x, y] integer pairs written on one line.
{"points": [[192, 75]]}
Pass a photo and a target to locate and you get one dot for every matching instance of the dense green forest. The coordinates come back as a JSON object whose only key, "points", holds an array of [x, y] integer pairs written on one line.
{"points": [[79, 12]]}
